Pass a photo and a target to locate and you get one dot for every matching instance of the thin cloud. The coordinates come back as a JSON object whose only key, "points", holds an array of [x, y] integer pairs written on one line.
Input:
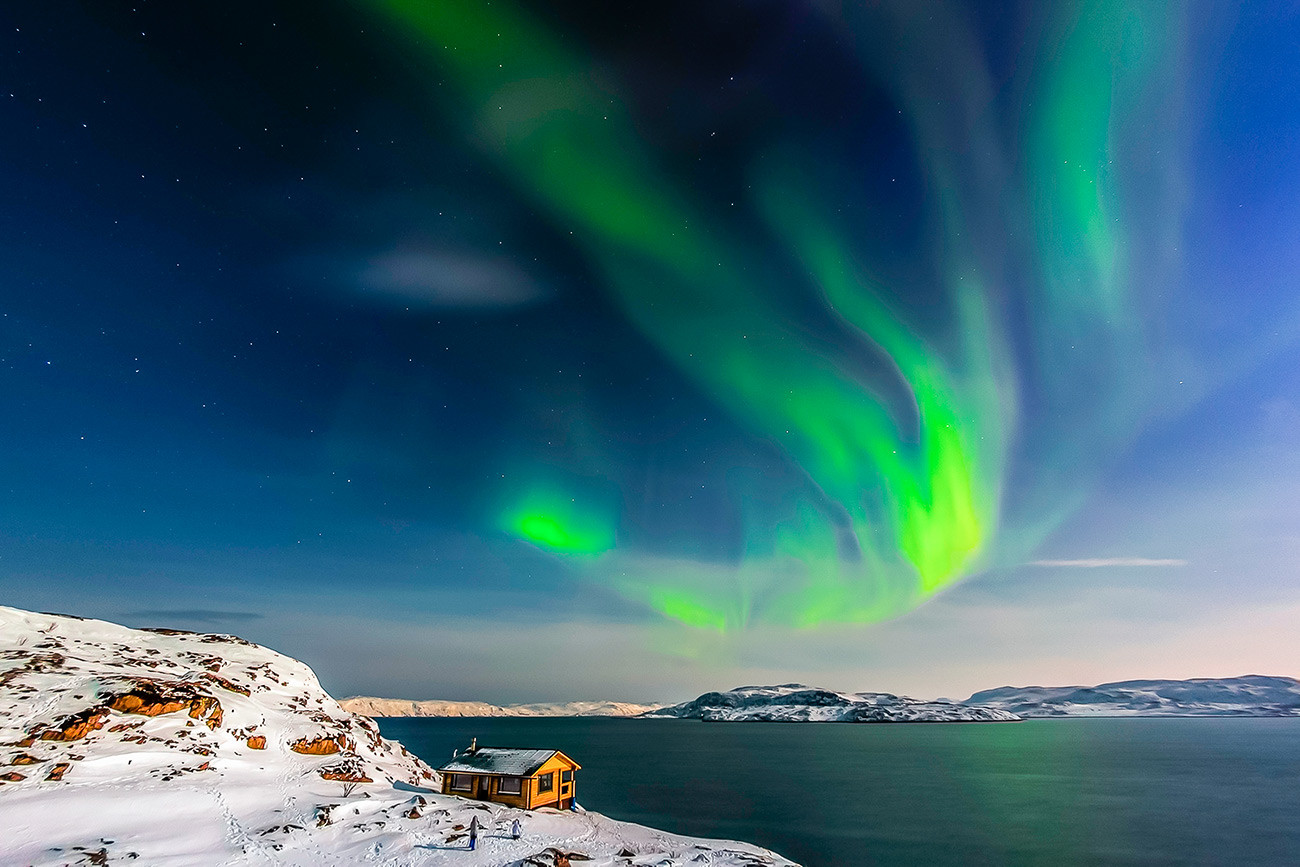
{"points": [[1099, 562], [196, 615]]}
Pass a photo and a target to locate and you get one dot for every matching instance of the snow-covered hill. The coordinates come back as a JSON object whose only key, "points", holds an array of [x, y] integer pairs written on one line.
{"points": [[437, 708], [168, 748], [1251, 695], [794, 702]]}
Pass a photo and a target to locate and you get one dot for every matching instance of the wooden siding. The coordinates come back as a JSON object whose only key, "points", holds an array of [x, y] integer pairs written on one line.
{"points": [[530, 795]]}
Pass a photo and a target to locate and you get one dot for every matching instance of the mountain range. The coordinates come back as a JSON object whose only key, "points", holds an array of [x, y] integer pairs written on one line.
{"points": [[1249, 695]]}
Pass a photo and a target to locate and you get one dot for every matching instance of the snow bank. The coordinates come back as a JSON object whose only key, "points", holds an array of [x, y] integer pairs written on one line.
{"points": [[171, 748]]}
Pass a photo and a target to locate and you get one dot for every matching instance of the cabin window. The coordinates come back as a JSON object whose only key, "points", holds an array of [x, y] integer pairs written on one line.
{"points": [[566, 776], [510, 786], [546, 783], [462, 783]]}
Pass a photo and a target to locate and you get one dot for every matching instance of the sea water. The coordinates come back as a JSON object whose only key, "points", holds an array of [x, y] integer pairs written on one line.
{"points": [[1072, 791]]}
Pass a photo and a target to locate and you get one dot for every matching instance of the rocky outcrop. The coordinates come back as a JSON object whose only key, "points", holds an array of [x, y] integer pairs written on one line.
{"points": [[76, 726], [323, 745], [177, 702]]}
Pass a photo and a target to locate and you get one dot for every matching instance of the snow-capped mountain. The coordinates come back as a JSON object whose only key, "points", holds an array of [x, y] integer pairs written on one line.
{"points": [[1251, 695], [795, 702], [169, 748], [438, 708]]}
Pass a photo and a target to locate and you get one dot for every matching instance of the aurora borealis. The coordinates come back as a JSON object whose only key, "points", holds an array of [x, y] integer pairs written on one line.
{"points": [[901, 450], [725, 326]]}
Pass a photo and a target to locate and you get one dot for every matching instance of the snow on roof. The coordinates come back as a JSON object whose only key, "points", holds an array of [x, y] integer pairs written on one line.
{"points": [[495, 760]]}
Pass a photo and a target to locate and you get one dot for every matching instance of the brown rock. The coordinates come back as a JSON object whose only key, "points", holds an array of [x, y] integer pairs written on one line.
{"points": [[345, 775], [57, 772], [319, 746], [147, 703], [215, 719], [225, 684], [77, 726], [24, 759], [13, 777], [257, 742]]}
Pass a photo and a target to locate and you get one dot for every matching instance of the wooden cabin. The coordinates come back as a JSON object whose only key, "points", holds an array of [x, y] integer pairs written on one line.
{"points": [[519, 778]]}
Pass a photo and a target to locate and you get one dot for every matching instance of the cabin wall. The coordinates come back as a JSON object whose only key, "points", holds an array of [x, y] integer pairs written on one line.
{"points": [[561, 793], [531, 796], [519, 800], [494, 789]]}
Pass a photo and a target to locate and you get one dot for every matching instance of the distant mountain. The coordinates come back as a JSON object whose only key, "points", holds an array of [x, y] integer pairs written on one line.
{"points": [[369, 706], [795, 702], [1252, 695]]}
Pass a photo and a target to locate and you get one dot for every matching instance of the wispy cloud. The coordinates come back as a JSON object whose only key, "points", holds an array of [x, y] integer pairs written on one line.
{"points": [[1098, 562], [196, 615]]}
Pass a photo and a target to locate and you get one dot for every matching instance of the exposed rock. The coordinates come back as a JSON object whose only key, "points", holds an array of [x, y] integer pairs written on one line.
{"points": [[257, 742], [324, 745], [57, 772], [347, 771], [77, 726], [24, 759], [225, 684], [148, 703], [13, 777]]}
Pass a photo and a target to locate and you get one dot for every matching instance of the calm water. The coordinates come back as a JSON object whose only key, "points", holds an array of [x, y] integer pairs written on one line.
{"points": [[1113, 791]]}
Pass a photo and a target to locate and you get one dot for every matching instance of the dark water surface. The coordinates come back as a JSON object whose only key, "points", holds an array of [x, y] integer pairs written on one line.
{"points": [[1085, 791]]}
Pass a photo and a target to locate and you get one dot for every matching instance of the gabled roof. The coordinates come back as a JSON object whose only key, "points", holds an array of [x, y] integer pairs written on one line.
{"points": [[495, 760]]}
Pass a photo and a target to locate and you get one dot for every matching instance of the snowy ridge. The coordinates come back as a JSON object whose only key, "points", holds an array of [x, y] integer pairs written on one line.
{"points": [[795, 702], [1251, 695], [167, 748], [437, 708]]}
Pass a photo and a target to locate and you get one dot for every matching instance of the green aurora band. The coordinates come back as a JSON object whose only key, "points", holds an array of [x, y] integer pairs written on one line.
{"points": [[903, 495]]}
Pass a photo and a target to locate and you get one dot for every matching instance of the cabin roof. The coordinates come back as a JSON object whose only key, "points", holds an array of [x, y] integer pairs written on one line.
{"points": [[496, 760]]}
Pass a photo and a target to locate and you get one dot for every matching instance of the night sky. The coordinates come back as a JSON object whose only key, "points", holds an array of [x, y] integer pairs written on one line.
{"points": [[526, 351]]}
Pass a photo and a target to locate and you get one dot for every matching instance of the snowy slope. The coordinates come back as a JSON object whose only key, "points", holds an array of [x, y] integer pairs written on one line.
{"points": [[437, 708], [794, 702], [120, 745], [1251, 695]]}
